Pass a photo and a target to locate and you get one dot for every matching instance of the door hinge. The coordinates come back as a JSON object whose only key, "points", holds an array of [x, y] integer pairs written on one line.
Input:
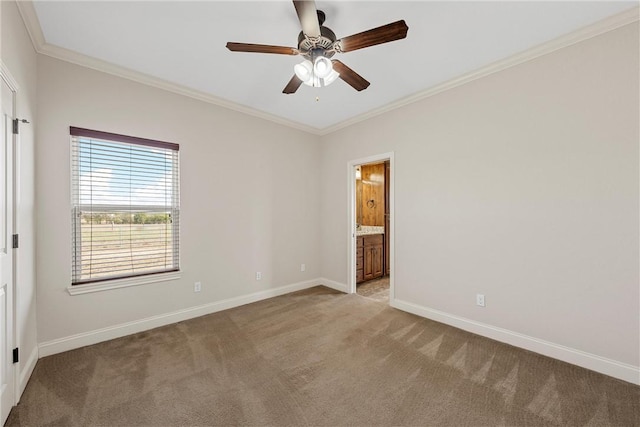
{"points": [[15, 355], [15, 241], [16, 125]]}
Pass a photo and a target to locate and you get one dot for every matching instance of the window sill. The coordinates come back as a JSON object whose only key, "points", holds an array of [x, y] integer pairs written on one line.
{"points": [[122, 283]]}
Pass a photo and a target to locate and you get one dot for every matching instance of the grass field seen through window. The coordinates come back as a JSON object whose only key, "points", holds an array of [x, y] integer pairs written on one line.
{"points": [[125, 249]]}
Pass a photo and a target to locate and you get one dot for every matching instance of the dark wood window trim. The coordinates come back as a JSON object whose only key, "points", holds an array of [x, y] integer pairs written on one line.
{"points": [[74, 131]]}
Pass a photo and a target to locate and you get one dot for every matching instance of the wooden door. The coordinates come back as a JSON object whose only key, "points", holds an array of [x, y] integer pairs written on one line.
{"points": [[378, 270], [360, 260], [368, 262], [372, 199]]}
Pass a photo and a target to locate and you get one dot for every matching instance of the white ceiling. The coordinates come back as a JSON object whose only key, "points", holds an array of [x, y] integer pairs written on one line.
{"points": [[184, 43]]}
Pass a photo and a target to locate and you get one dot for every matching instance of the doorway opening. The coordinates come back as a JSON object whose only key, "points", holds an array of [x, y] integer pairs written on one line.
{"points": [[371, 254]]}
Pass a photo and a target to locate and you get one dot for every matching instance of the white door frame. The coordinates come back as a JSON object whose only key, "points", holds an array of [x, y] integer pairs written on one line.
{"points": [[10, 81], [351, 218]]}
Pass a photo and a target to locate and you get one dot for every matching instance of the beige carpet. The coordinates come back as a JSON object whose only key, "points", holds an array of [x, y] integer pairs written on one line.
{"points": [[317, 357]]}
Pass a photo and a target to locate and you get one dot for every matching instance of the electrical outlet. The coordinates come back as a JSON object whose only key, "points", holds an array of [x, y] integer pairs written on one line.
{"points": [[258, 275], [197, 287], [480, 300], [303, 267]]}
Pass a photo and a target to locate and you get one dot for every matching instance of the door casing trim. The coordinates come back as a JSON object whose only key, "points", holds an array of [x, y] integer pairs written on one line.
{"points": [[351, 218]]}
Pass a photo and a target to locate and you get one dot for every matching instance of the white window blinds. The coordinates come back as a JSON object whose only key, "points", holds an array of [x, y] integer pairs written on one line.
{"points": [[125, 206]]}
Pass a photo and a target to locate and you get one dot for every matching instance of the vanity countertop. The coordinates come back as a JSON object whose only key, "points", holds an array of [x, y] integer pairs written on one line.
{"points": [[366, 230]]}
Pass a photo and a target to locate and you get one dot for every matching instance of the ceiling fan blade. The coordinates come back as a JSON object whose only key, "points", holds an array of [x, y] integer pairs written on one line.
{"points": [[354, 79], [293, 85], [261, 48], [387, 33], [308, 16]]}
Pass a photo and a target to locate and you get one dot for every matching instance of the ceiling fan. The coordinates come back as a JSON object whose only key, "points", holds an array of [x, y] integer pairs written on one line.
{"points": [[318, 44]]}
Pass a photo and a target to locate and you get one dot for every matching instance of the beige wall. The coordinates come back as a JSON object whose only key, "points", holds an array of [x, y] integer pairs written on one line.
{"points": [[19, 57], [249, 198], [523, 186]]}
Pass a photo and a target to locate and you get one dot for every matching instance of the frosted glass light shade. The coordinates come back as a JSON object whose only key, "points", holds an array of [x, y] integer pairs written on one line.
{"points": [[331, 77], [304, 70], [314, 81], [319, 74], [322, 67]]}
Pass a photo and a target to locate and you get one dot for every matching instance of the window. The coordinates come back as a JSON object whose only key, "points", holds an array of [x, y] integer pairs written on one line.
{"points": [[125, 206]]}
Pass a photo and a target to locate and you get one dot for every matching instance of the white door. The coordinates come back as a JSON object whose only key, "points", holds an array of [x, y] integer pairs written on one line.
{"points": [[7, 378]]}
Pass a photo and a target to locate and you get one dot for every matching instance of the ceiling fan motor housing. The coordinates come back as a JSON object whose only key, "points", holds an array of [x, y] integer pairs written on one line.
{"points": [[307, 45]]}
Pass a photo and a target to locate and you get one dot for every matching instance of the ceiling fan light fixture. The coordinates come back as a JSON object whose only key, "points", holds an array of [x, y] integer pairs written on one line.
{"points": [[333, 75], [314, 81], [322, 67], [304, 70]]}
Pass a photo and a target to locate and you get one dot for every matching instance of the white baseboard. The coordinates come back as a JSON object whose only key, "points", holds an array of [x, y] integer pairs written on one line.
{"points": [[333, 284], [99, 335], [26, 369], [594, 362], [590, 361]]}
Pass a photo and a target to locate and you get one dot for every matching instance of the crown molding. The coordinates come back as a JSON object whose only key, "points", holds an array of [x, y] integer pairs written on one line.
{"points": [[41, 46], [608, 24], [31, 21], [34, 29], [119, 71]]}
